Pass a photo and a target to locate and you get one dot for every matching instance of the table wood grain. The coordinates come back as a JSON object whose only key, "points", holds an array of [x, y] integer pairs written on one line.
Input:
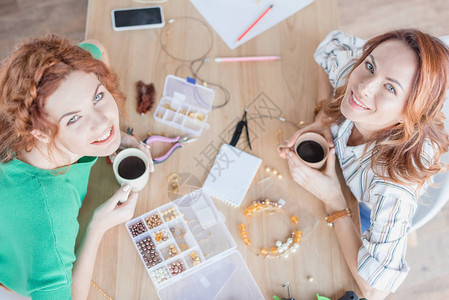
{"points": [[285, 88]]}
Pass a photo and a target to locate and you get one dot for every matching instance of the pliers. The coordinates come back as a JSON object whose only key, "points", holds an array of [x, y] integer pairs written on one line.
{"points": [[177, 141]]}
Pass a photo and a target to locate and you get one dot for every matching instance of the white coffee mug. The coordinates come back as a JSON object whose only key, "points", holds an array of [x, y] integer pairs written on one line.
{"points": [[136, 184]]}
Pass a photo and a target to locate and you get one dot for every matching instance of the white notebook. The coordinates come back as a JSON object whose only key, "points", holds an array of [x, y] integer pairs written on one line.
{"points": [[230, 18], [231, 175]]}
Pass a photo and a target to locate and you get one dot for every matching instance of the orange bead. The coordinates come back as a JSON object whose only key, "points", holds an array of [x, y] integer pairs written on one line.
{"points": [[247, 242], [264, 252], [274, 250], [248, 212], [242, 227], [244, 234], [294, 220]]}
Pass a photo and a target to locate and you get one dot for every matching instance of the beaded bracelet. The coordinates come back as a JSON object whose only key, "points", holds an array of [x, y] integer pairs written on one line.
{"points": [[281, 248]]}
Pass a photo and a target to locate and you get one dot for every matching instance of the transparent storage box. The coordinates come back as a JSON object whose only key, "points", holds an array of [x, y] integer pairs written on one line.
{"points": [[195, 256], [184, 105]]}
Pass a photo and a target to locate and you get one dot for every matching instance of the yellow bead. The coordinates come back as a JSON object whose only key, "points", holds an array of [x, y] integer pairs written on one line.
{"points": [[247, 242], [201, 117]]}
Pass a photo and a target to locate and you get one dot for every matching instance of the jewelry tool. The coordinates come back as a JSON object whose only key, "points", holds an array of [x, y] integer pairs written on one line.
{"points": [[238, 130], [246, 58], [287, 284], [254, 24], [177, 141]]}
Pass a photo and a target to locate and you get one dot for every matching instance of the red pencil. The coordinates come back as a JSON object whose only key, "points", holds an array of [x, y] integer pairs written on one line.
{"points": [[265, 12]]}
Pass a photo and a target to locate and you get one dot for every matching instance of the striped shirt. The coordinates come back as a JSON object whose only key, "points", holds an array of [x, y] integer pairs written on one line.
{"points": [[381, 258]]}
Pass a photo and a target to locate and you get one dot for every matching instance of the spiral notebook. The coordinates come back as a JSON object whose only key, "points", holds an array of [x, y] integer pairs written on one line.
{"points": [[231, 175]]}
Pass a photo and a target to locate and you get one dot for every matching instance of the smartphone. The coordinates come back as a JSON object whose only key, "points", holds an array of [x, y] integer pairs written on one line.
{"points": [[137, 18]]}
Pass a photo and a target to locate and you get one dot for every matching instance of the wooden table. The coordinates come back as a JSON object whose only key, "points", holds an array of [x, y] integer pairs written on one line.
{"points": [[284, 88]]}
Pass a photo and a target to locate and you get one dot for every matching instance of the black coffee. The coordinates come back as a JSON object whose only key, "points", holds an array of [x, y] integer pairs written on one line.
{"points": [[310, 151], [131, 167]]}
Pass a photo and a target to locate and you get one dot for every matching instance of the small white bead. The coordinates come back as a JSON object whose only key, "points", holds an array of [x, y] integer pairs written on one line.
{"points": [[289, 241], [278, 243]]}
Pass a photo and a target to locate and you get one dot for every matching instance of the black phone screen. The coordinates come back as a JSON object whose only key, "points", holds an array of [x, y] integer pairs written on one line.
{"points": [[136, 17]]}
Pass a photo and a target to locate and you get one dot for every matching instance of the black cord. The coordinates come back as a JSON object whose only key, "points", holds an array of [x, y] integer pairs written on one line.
{"points": [[202, 59]]}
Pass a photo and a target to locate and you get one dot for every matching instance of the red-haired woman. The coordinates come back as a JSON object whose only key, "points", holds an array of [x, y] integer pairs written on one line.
{"points": [[58, 112], [382, 118]]}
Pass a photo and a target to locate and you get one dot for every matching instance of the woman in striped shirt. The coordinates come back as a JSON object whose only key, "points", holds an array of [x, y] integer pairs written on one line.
{"points": [[382, 118]]}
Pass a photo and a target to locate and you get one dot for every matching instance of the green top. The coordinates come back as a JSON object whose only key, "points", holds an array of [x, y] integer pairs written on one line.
{"points": [[38, 227], [38, 223], [94, 50]]}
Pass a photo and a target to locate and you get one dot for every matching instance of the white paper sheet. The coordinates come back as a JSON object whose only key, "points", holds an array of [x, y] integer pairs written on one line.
{"points": [[231, 18]]}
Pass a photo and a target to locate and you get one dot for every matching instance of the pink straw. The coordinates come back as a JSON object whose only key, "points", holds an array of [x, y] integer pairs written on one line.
{"points": [[246, 58]]}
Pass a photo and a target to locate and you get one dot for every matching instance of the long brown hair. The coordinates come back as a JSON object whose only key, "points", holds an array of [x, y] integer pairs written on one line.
{"points": [[29, 76], [397, 150]]}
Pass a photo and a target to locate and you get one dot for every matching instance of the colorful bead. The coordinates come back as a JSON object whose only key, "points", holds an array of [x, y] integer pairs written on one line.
{"points": [[282, 248], [294, 220]]}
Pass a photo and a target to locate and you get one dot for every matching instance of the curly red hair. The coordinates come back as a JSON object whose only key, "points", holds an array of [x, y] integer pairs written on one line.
{"points": [[396, 155], [29, 76]]}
